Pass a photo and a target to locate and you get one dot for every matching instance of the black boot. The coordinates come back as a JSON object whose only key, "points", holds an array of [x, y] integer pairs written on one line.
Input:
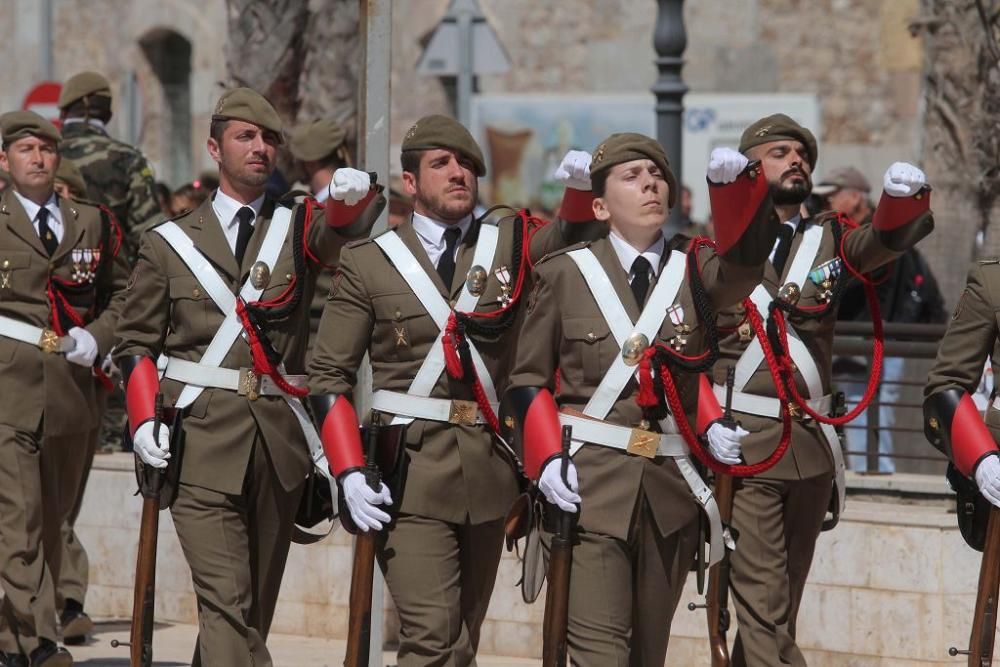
{"points": [[50, 655], [13, 660], [76, 625]]}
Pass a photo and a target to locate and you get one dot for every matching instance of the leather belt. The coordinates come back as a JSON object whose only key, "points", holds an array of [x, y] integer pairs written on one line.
{"points": [[244, 381], [766, 406], [44, 339], [435, 409], [632, 440]]}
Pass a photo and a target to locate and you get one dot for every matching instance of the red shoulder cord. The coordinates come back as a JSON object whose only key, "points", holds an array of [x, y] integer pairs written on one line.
{"points": [[310, 203], [454, 335]]}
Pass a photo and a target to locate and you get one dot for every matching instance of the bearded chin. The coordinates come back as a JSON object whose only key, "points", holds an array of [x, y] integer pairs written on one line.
{"points": [[794, 193]]}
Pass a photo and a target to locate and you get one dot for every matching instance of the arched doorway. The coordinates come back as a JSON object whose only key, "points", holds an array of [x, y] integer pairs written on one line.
{"points": [[169, 57]]}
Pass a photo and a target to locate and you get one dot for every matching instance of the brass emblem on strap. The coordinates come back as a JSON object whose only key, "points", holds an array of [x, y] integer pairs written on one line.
{"points": [[790, 293], [260, 275], [475, 280], [643, 443], [463, 412], [633, 348], [746, 332], [250, 385], [49, 341]]}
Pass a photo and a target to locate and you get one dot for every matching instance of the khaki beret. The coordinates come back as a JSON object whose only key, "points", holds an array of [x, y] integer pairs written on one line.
{"points": [[16, 125], [624, 147], [316, 140], [70, 174], [249, 106], [83, 84], [779, 127], [438, 131]]}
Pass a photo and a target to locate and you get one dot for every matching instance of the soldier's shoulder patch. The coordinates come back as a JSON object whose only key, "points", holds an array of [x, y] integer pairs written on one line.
{"points": [[562, 251]]}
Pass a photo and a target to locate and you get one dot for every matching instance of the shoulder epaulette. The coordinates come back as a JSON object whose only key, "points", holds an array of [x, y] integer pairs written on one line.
{"points": [[496, 214], [563, 251]]}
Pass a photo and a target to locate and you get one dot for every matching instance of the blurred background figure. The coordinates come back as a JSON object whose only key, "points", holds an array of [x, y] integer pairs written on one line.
{"points": [[187, 198], [69, 181]]}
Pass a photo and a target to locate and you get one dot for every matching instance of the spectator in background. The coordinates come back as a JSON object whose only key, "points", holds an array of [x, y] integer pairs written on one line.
{"points": [[907, 293], [187, 198], [163, 198], [685, 224]]}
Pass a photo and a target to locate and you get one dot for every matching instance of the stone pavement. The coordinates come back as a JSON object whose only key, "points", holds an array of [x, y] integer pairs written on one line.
{"points": [[173, 644]]}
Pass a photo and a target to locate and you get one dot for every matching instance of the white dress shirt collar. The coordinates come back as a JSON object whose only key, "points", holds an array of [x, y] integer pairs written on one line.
{"points": [[627, 254], [225, 208], [55, 221], [431, 234]]}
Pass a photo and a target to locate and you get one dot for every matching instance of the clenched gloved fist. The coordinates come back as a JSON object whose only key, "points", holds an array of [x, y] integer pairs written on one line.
{"points": [[152, 452], [550, 482], [85, 350], [725, 164], [988, 479], [903, 179], [574, 170], [350, 185], [363, 502], [724, 443]]}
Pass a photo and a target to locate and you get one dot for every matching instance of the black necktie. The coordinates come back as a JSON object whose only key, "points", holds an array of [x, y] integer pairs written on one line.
{"points": [[446, 264], [245, 215], [640, 279], [49, 239], [785, 233]]}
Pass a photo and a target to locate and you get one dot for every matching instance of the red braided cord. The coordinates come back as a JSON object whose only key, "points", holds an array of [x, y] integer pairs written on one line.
{"points": [[261, 364], [56, 297], [309, 204], [453, 364], [522, 273], [115, 227]]}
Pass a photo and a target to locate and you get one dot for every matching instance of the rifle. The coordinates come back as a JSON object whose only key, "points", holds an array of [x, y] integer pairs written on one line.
{"points": [[984, 622], [359, 623], [560, 562]]}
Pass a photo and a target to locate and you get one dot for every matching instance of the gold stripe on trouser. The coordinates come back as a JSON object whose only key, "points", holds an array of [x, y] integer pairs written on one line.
{"points": [[777, 523], [623, 594], [37, 489], [440, 576], [236, 546]]}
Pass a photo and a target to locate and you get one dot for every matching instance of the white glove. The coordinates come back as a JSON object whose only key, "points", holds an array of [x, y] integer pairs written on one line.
{"points": [[85, 350], [902, 179], [574, 170], [550, 483], [152, 452], [724, 443], [350, 185], [725, 164], [108, 366], [363, 502], [988, 479]]}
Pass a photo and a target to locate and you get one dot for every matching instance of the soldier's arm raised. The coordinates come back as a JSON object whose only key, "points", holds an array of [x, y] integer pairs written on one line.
{"points": [[351, 209], [576, 220]]}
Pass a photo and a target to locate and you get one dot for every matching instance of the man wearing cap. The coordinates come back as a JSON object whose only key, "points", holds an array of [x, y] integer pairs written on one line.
{"points": [[778, 514], [434, 302], [235, 367], [631, 480], [61, 288], [117, 175]]}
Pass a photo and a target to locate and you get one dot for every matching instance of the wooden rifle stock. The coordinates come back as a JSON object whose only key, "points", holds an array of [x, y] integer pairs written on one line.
{"points": [[554, 625], [359, 623], [984, 622]]}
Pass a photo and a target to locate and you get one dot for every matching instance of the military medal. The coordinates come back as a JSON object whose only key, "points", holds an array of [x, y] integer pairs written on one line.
{"points": [[823, 276], [681, 329], [503, 277], [475, 280], [77, 256]]}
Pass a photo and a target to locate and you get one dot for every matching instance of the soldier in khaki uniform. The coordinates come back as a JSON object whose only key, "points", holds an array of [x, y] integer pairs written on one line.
{"points": [[778, 514], [393, 297], [246, 455], [638, 527], [61, 287]]}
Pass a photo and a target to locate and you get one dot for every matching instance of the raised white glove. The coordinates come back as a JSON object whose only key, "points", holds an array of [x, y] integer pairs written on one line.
{"points": [[903, 179], [152, 452], [724, 443], [574, 170], [725, 164], [550, 483], [363, 502], [85, 350], [350, 185], [988, 479]]}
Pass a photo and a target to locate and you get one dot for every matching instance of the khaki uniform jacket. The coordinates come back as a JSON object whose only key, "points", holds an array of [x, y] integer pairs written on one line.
{"points": [[808, 453], [564, 329], [40, 387], [456, 473], [973, 337], [167, 311]]}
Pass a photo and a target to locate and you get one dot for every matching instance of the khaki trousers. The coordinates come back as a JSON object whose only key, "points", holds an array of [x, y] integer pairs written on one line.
{"points": [[38, 485], [441, 576], [623, 594], [777, 523], [236, 547]]}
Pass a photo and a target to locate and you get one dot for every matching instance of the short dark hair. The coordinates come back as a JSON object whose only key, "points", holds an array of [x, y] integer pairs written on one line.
{"points": [[90, 106], [599, 182], [218, 128], [410, 160]]}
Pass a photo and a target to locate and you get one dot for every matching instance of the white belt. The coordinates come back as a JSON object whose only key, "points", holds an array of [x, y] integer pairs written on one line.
{"points": [[244, 381], [633, 440], [434, 409], [766, 406], [45, 339]]}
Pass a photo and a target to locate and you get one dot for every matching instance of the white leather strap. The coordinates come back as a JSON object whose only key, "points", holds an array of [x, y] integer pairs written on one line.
{"points": [[421, 407], [27, 333], [664, 293], [193, 373], [767, 406], [430, 298]]}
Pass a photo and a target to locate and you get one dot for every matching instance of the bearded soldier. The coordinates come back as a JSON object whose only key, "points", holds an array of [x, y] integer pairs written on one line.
{"points": [[62, 282], [234, 364], [433, 302], [778, 513]]}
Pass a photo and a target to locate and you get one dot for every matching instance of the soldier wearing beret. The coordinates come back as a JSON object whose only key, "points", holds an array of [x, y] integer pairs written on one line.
{"points": [[235, 367], [62, 285], [599, 308], [778, 514], [433, 302]]}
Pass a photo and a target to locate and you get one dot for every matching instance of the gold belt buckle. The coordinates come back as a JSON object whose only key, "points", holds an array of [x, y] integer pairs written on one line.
{"points": [[463, 412], [795, 412], [250, 384], [643, 443], [49, 341]]}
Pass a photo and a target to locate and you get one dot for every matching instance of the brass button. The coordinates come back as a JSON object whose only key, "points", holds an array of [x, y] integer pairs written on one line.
{"points": [[399, 314], [196, 293], [6, 264], [591, 336], [288, 276], [919, 195], [752, 173]]}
